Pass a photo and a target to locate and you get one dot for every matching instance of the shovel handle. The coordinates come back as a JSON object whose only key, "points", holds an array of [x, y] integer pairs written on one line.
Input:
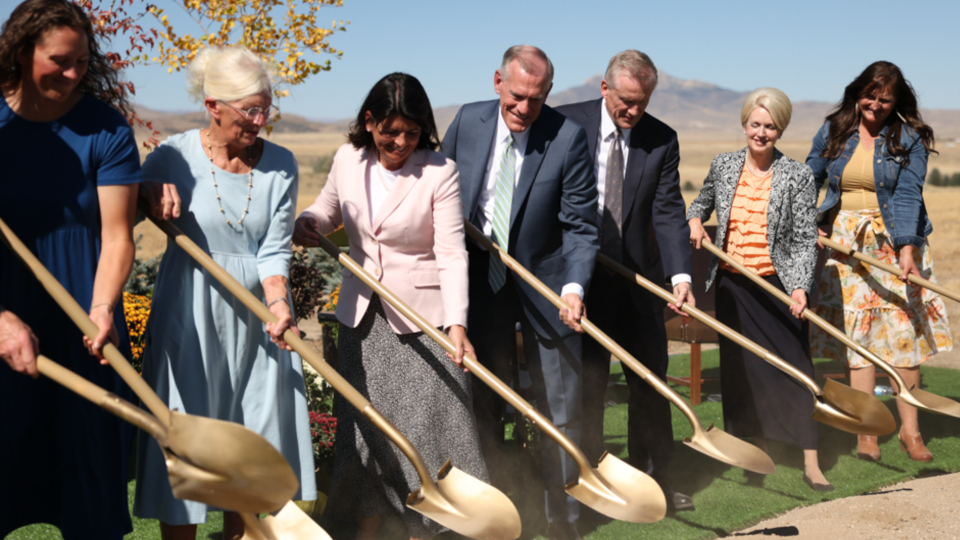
{"points": [[475, 367], [305, 351], [810, 315], [661, 387], [98, 396], [87, 326], [862, 257], [715, 325]]}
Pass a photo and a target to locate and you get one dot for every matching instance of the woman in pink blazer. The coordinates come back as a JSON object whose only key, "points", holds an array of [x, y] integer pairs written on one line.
{"points": [[399, 201]]}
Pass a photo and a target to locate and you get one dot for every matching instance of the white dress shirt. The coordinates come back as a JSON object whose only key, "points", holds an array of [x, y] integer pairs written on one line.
{"points": [[489, 192], [606, 137]]}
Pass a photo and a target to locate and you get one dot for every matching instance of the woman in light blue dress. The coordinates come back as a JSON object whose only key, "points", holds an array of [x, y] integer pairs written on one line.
{"points": [[206, 353]]}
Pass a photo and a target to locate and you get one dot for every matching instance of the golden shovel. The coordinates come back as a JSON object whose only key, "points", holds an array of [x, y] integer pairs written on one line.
{"points": [[712, 441], [914, 396], [219, 463], [456, 500], [916, 280], [614, 488], [286, 525], [836, 405]]}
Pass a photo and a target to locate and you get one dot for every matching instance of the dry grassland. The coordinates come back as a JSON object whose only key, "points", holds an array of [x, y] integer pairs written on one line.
{"points": [[943, 204]]}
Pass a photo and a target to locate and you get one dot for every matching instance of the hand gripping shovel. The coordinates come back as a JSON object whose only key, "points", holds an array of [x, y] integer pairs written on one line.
{"points": [[713, 442], [457, 500], [916, 280], [836, 405], [219, 463], [914, 396], [286, 525], [614, 488]]}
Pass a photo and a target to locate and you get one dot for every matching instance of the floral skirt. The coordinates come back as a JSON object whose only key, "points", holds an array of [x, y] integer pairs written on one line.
{"points": [[902, 323]]}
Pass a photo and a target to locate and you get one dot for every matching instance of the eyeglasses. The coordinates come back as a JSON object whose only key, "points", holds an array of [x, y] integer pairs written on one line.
{"points": [[253, 113], [392, 134]]}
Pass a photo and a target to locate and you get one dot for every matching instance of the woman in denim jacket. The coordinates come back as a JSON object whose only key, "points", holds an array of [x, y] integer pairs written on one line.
{"points": [[873, 149]]}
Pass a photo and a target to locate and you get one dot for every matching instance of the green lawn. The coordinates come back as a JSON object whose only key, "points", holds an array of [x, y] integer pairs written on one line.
{"points": [[725, 501]]}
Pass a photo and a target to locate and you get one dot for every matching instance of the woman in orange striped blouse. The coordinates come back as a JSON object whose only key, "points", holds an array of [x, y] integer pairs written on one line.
{"points": [[766, 210]]}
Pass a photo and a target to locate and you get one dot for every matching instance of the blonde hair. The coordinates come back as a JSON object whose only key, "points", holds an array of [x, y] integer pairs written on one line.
{"points": [[227, 74], [774, 101]]}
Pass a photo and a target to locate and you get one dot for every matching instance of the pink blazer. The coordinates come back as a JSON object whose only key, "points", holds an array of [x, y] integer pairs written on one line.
{"points": [[415, 246]]}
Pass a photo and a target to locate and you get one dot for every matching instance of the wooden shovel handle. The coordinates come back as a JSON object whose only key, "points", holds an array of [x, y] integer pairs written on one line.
{"points": [[810, 315], [661, 387], [303, 349], [715, 325], [98, 396], [87, 326], [895, 270]]}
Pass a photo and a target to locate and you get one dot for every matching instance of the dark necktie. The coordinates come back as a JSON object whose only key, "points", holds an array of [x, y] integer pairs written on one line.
{"points": [[611, 235]]}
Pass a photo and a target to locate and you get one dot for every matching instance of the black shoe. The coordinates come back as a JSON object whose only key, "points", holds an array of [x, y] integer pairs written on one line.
{"points": [[678, 502], [822, 488], [563, 530]]}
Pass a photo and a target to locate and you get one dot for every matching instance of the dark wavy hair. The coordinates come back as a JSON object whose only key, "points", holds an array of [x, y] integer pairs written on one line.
{"points": [[26, 27], [878, 77], [397, 93]]}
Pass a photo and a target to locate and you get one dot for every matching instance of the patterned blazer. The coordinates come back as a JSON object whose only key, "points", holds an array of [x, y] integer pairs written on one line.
{"points": [[791, 215]]}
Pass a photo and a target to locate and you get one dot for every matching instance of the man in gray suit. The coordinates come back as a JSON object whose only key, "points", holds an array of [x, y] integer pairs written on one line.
{"points": [[527, 181], [643, 226]]}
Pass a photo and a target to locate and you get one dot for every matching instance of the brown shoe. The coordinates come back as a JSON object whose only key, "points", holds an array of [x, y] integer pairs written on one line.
{"points": [[867, 448], [914, 445]]}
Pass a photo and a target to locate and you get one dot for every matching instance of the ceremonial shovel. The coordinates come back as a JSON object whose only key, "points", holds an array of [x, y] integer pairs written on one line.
{"points": [[836, 405], [614, 488], [457, 500], [914, 396], [211, 461], [713, 442], [916, 280]]}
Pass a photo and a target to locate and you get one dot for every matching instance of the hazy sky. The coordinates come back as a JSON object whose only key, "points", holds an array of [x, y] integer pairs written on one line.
{"points": [[810, 49]]}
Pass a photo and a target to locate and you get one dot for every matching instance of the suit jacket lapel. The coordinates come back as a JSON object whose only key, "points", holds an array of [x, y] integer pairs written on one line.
{"points": [[473, 175], [532, 159], [408, 175], [635, 163], [591, 125]]}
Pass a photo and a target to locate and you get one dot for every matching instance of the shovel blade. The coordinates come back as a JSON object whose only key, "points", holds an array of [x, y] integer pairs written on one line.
{"points": [[724, 447], [852, 411], [620, 491], [467, 506], [226, 465], [931, 402], [290, 523]]}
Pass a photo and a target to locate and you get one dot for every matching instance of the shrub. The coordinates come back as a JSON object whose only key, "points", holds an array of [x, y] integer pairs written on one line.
{"points": [[323, 164], [143, 276], [136, 309], [688, 186]]}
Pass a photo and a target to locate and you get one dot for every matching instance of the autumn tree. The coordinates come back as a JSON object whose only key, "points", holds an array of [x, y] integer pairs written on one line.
{"points": [[282, 31]]}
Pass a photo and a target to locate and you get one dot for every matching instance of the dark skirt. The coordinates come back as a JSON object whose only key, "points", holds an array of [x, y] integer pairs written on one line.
{"points": [[759, 400], [410, 380]]}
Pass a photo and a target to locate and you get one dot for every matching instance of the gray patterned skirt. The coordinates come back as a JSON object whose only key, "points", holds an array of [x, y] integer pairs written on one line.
{"points": [[410, 380]]}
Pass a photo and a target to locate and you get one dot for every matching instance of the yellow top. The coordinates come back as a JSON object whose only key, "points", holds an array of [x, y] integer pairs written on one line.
{"points": [[857, 188], [746, 240]]}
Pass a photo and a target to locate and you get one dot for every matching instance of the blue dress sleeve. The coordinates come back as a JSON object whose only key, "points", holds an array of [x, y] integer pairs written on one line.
{"points": [[118, 157], [273, 256]]}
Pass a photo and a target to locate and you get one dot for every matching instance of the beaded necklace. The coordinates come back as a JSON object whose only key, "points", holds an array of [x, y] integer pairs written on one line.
{"points": [[217, 192]]}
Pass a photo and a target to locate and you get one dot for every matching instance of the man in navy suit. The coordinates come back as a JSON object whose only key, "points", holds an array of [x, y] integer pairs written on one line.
{"points": [[642, 225], [526, 179]]}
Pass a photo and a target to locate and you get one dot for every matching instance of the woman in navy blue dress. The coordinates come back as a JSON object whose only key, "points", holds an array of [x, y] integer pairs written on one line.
{"points": [[69, 175]]}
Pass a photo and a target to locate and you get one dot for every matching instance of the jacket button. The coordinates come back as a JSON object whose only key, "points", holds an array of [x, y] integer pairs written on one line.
{"points": [[883, 206], [376, 271], [374, 240], [878, 161], [881, 184]]}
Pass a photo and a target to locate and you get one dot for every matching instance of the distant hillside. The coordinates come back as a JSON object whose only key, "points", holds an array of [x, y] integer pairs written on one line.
{"points": [[697, 110], [170, 123]]}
